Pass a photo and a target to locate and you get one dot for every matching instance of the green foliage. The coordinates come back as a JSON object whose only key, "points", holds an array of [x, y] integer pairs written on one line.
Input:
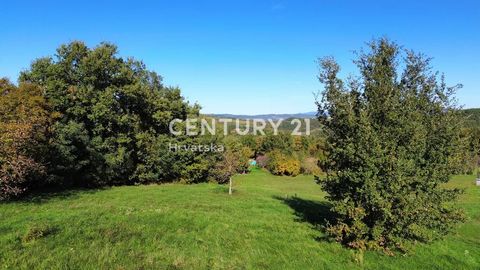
{"points": [[469, 158], [281, 142], [291, 154], [466, 159], [471, 133], [391, 141], [472, 117], [114, 119]]}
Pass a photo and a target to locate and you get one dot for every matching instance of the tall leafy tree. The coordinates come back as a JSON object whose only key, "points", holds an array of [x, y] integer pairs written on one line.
{"points": [[114, 119], [392, 137]]}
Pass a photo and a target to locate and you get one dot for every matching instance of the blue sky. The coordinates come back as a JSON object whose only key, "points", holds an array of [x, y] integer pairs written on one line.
{"points": [[247, 57]]}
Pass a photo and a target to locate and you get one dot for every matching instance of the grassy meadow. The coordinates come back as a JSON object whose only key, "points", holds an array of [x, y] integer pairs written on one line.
{"points": [[270, 222]]}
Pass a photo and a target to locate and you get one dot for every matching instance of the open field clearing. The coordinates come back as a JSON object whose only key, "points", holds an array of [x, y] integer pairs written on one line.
{"points": [[269, 223]]}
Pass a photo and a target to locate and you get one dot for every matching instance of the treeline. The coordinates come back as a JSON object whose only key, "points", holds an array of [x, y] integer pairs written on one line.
{"points": [[469, 159], [471, 133], [87, 117], [284, 154], [472, 118]]}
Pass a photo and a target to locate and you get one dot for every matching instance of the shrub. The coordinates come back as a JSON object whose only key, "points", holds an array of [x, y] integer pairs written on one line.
{"points": [[281, 164], [309, 165], [262, 161], [391, 142]]}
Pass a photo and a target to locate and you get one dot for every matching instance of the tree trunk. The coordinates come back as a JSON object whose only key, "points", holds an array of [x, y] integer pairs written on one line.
{"points": [[230, 187]]}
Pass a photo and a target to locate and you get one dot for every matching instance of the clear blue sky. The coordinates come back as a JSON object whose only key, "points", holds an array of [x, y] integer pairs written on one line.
{"points": [[247, 57]]}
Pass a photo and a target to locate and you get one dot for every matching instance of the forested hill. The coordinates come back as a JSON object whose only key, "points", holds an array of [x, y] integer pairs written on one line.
{"points": [[265, 116], [472, 117]]}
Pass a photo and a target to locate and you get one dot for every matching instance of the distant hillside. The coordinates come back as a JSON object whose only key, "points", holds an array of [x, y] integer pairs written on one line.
{"points": [[472, 117], [264, 116]]}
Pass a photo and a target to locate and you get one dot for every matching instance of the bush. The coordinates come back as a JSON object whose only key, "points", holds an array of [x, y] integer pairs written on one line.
{"points": [[281, 164], [309, 165], [262, 161]]}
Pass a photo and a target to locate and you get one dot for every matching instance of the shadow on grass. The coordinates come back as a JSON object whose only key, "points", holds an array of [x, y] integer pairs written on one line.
{"points": [[47, 194], [317, 213]]}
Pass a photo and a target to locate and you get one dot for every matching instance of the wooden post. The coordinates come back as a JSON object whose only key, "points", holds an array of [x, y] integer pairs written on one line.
{"points": [[230, 186]]}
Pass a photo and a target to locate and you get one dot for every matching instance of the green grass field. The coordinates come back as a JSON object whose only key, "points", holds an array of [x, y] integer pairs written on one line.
{"points": [[269, 223]]}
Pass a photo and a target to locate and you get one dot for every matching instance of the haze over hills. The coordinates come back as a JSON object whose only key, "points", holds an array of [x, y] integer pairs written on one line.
{"points": [[265, 116], [472, 115]]}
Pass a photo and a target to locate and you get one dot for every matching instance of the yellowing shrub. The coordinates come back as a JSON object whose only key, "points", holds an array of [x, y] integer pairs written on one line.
{"points": [[280, 164]]}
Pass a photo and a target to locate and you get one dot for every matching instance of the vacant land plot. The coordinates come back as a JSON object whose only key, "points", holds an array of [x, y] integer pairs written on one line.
{"points": [[269, 223]]}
